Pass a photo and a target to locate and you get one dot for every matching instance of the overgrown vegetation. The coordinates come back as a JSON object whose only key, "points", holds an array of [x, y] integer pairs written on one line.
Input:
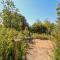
{"points": [[41, 30], [15, 26], [40, 36], [56, 36]]}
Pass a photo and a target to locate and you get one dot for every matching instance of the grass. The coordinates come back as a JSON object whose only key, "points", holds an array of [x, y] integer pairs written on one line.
{"points": [[40, 36]]}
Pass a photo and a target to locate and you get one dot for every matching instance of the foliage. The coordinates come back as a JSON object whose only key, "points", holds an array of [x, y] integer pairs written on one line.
{"points": [[40, 36], [49, 26], [45, 27], [23, 34], [37, 27], [14, 20], [23, 46], [8, 5], [6, 37], [14, 27], [11, 17], [26, 32], [56, 35]]}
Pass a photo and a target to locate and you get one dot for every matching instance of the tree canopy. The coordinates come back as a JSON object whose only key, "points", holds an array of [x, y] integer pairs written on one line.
{"points": [[45, 27], [11, 17]]}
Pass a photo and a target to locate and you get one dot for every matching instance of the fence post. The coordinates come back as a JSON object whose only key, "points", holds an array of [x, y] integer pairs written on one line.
{"points": [[15, 44]]}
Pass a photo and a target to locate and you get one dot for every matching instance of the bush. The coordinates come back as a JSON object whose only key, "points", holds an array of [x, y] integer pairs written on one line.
{"points": [[23, 46], [6, 44], [40, 36]]}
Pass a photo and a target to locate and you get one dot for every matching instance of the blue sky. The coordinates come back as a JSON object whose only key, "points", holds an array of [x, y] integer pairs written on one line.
{"points": [[37, 9]]}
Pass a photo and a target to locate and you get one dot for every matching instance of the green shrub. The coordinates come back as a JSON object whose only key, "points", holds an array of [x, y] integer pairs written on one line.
{"points": [[40, 36], [6, 44], [23, 46]]}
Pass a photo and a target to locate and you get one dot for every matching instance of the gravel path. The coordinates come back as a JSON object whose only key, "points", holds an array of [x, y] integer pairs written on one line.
{"points": [[40, 50]]}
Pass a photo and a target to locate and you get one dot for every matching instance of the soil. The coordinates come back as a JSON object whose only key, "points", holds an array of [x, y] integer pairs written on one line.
{"points": [[40, 50]]}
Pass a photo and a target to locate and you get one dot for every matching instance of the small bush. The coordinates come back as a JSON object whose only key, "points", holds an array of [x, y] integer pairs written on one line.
{"points": [[40, 36]]}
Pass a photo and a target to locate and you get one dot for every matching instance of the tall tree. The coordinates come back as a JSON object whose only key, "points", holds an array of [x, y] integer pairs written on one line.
{"points": [[8, 5], [45, 27], [11, 17]]}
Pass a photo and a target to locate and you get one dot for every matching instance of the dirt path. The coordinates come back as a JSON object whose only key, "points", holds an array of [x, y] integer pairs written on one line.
{"points": [[40, 50]]}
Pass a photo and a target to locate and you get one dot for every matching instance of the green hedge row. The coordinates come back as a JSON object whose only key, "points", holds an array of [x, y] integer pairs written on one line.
{"points": [[40, 36]]}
